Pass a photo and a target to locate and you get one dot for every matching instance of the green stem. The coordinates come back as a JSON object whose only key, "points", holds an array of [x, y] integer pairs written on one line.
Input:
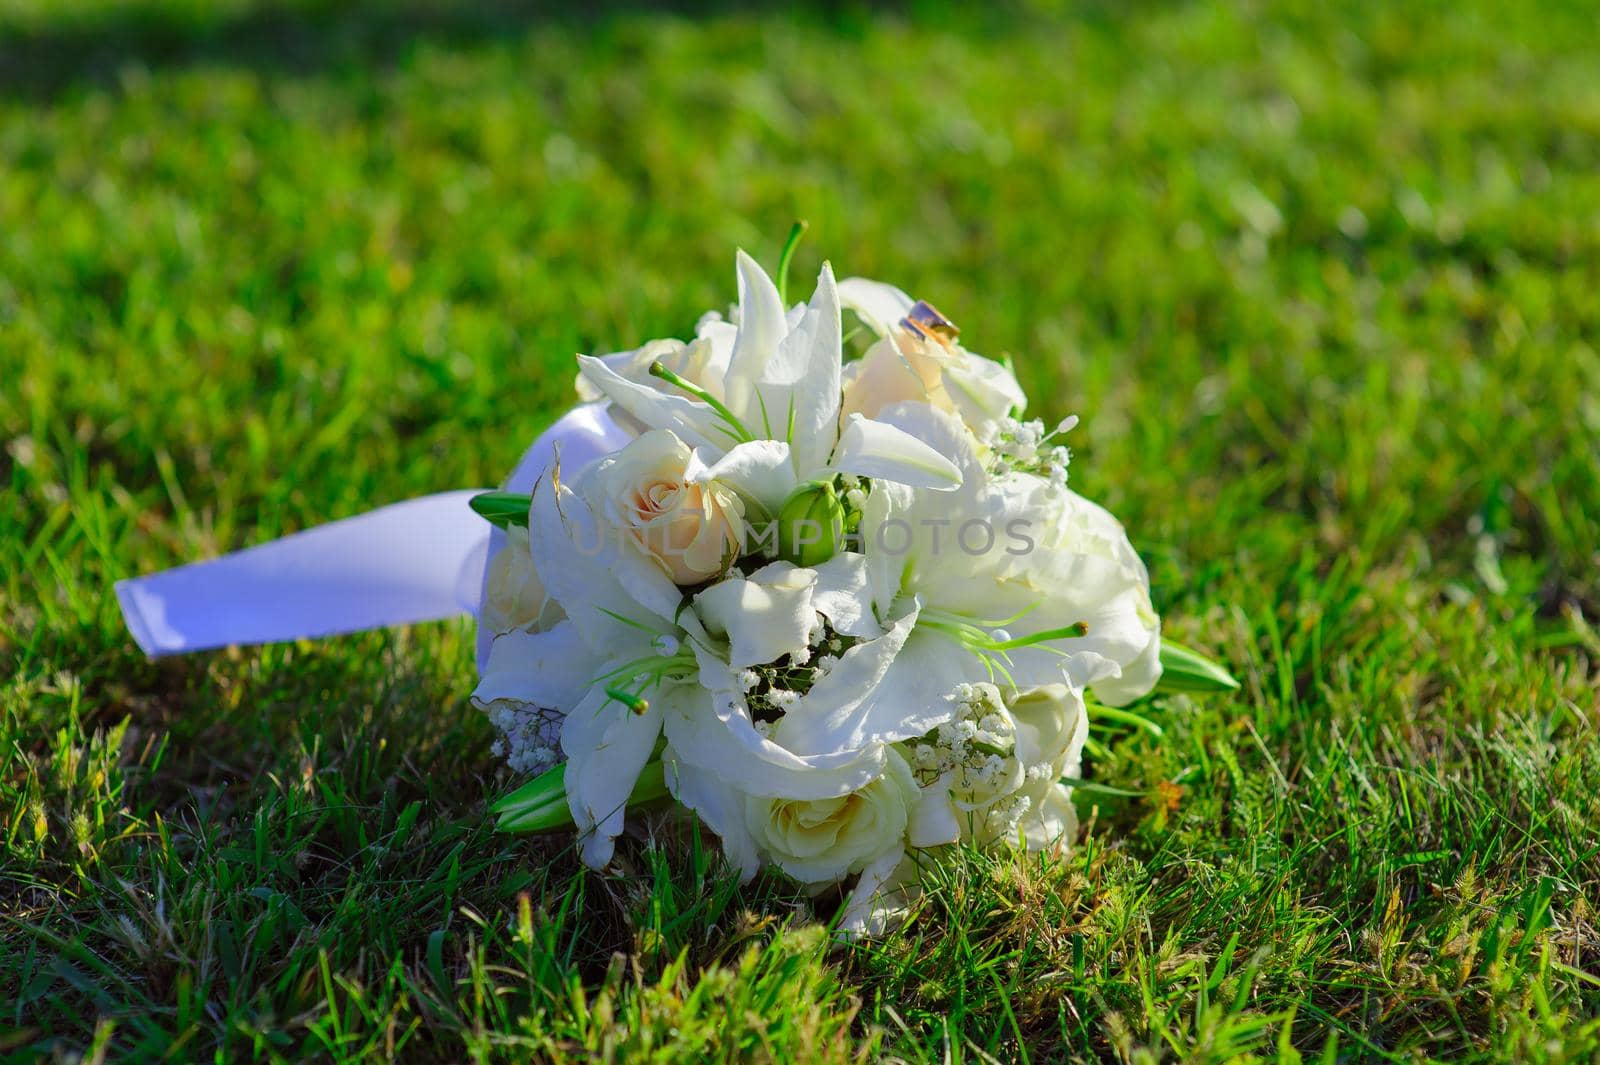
{"points": [[658, 370], [1066, 632], [636, 704], [783, 262]]}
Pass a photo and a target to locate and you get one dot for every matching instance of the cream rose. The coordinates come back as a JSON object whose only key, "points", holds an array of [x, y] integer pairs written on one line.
{"points": [[514, 597], [824, 840], [650, 491], [917, 357]]}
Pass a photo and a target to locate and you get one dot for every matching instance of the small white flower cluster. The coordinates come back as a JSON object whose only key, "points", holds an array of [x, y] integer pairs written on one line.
{"points": [[1002, 820], [855, 491], [530, 737], [770, 690], [991, 779], [1025, 447], [978, 745]]}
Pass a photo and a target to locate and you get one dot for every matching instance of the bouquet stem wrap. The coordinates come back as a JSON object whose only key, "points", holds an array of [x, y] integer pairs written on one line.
{"points": [[420, 560]]}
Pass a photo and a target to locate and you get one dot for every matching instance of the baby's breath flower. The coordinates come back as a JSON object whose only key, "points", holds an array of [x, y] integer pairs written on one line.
{"points": [[530, 737], [1025, 447], [978, 744]]}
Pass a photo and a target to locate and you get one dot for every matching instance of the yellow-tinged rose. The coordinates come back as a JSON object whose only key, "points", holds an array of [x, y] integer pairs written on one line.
{"points": [[650, 491], [918, 357], [892, 371]]}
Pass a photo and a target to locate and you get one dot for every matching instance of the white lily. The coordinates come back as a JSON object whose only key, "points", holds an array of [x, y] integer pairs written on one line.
{"points": [[779, 385], [719, 756], [717, 759], [612, 696]]}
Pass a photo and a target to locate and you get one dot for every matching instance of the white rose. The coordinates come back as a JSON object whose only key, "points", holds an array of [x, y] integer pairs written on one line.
{"points": [[514, 597], [1052, 725], [649, 491], [824, 840], [886, 375]]}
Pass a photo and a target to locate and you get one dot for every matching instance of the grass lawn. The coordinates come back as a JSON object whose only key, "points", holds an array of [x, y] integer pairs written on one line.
{"points": [[1322, 280]]}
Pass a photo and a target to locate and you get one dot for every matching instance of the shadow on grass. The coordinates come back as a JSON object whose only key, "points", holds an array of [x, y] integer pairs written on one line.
{"points": [[42, 57], [88, 44]]}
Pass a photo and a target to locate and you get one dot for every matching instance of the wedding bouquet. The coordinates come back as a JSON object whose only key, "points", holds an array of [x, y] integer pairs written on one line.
{"points": [[839, 611]]}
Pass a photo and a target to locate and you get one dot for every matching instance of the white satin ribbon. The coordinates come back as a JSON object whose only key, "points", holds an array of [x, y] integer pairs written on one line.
{"points": [[420, 560]]}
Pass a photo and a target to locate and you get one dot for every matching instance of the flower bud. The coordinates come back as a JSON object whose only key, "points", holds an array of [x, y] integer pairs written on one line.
{"points": [[810, 524]]}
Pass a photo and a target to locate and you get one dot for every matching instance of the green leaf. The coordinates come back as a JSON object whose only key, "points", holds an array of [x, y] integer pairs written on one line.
{"points": [[550, 783], [541, 804], [1186, 670], [543, 818], [504, 509]]}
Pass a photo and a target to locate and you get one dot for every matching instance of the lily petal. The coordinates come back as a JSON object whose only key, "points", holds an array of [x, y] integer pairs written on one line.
{"points": [[933, 822], [762, 326], [726, 745], [870, 448], [832, 715], [879, 305], [879, 898], [911, 697], [765, 616], [551, 669], [718, 805], [844, 595], [799, 388], [607, 744], [760, 470], [694, 422], [886, 561], [983, 390], [942, 432]]}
